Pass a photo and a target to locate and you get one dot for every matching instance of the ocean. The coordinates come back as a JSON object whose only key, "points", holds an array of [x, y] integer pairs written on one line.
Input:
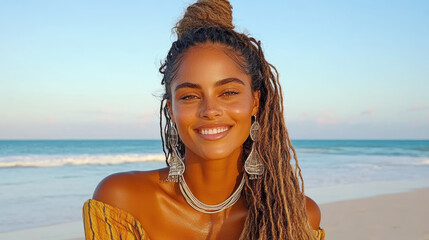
{"points": [[45, 182]]}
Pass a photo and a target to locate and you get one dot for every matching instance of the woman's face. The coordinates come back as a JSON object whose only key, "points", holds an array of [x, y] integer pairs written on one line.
{"points": [[212, 102]]}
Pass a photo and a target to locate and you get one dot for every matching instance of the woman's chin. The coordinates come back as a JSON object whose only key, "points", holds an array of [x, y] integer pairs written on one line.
{"points": [[221, 153]]}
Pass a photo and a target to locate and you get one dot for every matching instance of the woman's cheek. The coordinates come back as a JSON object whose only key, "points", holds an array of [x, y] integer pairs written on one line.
{"points": [[185, 118], [239, 108], [183, 111]]}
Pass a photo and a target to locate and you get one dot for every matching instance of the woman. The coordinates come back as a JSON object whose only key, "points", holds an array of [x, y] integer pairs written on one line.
{"points": [[224, 137]]}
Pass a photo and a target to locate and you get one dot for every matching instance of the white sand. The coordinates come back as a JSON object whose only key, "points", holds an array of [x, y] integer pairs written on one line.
{"points": [[402, 216]]}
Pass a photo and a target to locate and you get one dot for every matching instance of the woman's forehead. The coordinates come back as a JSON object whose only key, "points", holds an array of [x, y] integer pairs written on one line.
{"points": [[209, 61]]}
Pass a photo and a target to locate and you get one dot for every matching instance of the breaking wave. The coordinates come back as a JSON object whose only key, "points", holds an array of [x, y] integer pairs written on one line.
{"points": [[83, 159]]}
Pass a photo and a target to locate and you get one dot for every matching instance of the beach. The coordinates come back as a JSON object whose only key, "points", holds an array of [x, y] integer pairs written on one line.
{"points": [[396, 216]]}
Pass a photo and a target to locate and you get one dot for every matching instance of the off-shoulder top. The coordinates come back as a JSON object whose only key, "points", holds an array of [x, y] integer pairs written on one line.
{"points": [[105, 222]]}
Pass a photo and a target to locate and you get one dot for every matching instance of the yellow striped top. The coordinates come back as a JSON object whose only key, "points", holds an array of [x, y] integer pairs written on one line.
{"points": [[104, 222]]}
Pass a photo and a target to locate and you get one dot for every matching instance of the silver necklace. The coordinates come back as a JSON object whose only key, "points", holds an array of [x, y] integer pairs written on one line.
{"points": [[206, 208]]}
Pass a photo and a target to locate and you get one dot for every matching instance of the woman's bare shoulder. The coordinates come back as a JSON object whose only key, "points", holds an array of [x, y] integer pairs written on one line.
{"points": [[313, 213], [127, 189]]}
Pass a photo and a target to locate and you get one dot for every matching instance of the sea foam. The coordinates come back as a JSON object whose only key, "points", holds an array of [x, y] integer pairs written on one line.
{"points": [[82, 159], [423, 162]]}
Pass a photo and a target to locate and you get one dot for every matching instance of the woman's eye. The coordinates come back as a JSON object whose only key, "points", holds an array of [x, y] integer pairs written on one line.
{"points": [[230, 93], [188, 97]]}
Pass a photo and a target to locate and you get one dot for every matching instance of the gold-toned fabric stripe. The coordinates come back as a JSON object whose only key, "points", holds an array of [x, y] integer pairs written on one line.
{"points": [[90, 221], [105, 219], [320, 234]]}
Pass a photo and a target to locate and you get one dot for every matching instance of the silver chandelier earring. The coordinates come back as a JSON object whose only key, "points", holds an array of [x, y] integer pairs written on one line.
{"points": [[177, 166], [254, 165]]}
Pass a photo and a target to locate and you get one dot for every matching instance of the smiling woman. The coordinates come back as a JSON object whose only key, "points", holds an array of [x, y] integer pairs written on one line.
{"points": [[212, 104], [229, 173]]}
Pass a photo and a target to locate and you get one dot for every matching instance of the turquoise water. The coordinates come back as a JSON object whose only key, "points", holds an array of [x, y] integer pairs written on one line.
{"points": [[46, 182]]}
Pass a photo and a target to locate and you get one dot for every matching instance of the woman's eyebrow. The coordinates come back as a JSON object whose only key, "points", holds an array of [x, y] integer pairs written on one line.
{"points": [[217, 84], [187, 85], [229, 80]]}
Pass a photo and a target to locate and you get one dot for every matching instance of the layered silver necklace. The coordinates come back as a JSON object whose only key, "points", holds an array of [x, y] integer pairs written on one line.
{"points": [[206, 208]]}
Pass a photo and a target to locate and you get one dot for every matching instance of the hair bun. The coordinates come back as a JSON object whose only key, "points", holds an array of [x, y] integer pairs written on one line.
{"points": [[206, 13]]}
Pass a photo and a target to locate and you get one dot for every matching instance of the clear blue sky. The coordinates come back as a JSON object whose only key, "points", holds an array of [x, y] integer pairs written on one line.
{"points": [[89, 69]]}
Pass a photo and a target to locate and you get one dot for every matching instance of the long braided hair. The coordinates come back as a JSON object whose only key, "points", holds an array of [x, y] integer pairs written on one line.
{"points": [[276, 202]]}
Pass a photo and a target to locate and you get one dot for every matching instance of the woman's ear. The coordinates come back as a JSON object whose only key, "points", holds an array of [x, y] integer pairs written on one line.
{"points": [[170, 112], [256, 97]]}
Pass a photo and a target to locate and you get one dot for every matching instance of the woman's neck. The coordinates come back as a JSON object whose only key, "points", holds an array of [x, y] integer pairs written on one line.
{"points": [[213, 181]]}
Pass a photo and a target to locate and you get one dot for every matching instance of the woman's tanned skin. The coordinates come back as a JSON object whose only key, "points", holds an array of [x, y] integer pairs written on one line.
{"points": [[209, 91]]}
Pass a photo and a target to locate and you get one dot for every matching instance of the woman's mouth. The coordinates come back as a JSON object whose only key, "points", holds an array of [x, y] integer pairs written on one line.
{"points": [[213, 133]]}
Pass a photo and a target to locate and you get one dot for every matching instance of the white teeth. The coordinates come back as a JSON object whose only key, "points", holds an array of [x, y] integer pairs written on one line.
{"points": [[213, 130]]}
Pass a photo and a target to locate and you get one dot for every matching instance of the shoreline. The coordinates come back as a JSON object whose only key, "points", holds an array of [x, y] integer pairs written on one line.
{"points": [[356, 191], [388, 216]]}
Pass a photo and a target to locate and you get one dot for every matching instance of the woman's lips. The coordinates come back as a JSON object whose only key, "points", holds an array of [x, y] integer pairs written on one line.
{"points": [[213, 132]]}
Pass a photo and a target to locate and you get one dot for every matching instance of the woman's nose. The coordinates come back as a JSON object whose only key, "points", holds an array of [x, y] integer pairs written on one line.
{"points": [[210, 109]]}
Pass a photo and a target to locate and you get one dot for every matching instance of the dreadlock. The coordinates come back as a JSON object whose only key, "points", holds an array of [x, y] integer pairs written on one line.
{"points": [[276, 202]]}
